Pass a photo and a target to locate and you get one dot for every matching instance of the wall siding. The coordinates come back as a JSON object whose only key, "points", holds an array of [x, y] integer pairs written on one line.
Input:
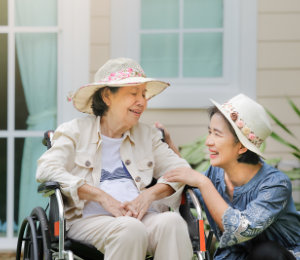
{"points": [[278, 71], [278, 67]]}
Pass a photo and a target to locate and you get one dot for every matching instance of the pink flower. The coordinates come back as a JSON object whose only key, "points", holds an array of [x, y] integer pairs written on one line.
{"points": [[240, 123], [130, 70], [251, 136]]}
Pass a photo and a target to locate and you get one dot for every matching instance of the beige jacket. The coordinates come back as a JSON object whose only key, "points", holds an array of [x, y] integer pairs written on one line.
{"points": [[75, 159]]}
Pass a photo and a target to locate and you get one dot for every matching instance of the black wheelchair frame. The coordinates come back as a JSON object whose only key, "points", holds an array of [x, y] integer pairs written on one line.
{"points": [[42, 235]]}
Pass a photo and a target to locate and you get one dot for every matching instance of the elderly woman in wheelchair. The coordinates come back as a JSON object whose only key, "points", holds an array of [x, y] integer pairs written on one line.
{"points": [[104, 163]]}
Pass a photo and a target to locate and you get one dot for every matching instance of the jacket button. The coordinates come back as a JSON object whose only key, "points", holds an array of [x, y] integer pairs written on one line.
{"points": [[150, 164], [138, 179], [87, 163], [127, 162]]}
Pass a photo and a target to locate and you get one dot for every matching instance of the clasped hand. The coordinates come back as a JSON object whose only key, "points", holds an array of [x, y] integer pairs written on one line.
{"points": [[136, 208]]}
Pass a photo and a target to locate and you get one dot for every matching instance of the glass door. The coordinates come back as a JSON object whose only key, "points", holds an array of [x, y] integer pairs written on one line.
{"points": [[28, 103]]}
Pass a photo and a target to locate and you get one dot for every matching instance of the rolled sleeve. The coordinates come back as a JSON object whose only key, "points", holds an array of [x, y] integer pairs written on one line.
{"points": [[166, 160], [172, 201], [240, 226], [57, 162]]}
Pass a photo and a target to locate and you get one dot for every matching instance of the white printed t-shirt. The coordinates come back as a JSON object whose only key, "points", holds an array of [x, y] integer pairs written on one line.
{"points": [[115, 179]]}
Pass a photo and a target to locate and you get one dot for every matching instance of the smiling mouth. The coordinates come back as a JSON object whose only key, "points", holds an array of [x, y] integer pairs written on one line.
{"points": [[213, 153], [136, 112]]}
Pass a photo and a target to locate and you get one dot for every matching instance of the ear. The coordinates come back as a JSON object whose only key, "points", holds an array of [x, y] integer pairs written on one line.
{"points": [[242, 149], [105, 94]]}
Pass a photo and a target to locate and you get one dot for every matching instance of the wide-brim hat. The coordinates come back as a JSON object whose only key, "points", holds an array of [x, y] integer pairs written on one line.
{"points": [[120, 72], [248, 119]]}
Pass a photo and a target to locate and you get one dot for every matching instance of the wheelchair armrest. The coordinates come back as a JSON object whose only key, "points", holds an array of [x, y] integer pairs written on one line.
{"points": [[195, 202], [48, 138], [48, 187]]}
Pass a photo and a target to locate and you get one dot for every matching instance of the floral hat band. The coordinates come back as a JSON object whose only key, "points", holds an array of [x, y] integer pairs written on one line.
{"points": [[249, 121], [123, 74], [241, 124], [119, 72]]}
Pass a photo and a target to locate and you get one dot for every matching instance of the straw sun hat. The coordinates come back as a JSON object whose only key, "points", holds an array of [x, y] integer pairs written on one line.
{"points": [[248, 119], [120, 72]]}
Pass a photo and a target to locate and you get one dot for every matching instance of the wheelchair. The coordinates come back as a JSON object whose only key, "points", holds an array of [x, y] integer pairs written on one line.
{"points": [[42, 235]]}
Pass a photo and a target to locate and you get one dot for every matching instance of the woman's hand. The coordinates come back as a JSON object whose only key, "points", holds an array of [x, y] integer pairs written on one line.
{"points": [[115, 207], [184, 175], [91, 193], [138, 207]]}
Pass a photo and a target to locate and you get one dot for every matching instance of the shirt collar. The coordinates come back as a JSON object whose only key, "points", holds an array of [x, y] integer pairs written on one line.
{"points": [[96, 136], [129, 134]]}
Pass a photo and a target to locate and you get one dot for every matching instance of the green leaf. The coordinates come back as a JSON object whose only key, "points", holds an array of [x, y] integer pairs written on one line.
{"points": [[277, 121], [293, 174], [295, 108], [203, 166], [281, 140], [273, 161], [297, 155], [263, 147], [297, 205], [194, 152]]}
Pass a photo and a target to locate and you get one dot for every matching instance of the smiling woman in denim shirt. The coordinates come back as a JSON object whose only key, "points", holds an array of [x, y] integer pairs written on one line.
{"points": [[248, 203]]}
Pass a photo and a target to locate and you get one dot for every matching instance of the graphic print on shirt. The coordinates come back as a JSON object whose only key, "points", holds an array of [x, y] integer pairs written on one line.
{"points": [[119, 173]]}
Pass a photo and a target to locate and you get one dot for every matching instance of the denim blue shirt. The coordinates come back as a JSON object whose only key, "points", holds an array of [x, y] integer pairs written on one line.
{"points": [[262, 207]]}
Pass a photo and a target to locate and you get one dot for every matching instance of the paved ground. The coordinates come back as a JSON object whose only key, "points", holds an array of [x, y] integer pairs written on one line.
{"points": [[7, 256]]}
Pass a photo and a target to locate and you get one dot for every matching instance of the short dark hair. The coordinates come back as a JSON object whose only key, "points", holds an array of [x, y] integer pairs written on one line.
{"points": [[98, 105], [247, 157]]}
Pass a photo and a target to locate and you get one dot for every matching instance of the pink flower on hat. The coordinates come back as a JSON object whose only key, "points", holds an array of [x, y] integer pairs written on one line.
{"points": [[251, 136], [240, 124]]}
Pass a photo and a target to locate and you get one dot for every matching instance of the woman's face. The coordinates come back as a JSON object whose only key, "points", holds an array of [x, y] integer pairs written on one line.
{"points": [[127, 105], [223, 149]]}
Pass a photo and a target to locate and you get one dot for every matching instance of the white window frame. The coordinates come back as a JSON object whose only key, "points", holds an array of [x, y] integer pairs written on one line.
{"points": [[73, 71], [239, 55]]}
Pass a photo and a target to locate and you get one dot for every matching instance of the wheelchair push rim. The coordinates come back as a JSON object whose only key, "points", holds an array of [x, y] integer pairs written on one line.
{"points": [[35, 237]]}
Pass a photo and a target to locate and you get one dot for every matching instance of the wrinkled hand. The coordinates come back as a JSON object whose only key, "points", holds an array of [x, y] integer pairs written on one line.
{"points": [[184, 175], [115, 207], [138, 207]]}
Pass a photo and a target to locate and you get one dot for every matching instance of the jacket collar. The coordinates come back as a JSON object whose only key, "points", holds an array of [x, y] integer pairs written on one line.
{"points": [[96, 132]]}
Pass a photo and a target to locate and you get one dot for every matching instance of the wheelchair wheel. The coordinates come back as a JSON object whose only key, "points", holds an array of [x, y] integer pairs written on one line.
{"points": [[34, 235]]}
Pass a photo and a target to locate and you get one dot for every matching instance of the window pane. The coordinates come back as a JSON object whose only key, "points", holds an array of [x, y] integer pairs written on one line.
{"points": [[202, 55], [3, 170], [157, 14], [19, 146], [159, 54], [3, 12], [20, 103], [36, 81], [27, 152], [203, 13], [36, 12], [3, 81]]}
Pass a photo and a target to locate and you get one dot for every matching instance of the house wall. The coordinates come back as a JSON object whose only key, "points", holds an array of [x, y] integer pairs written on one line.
{"points": [[278, 70], [278, 66]]}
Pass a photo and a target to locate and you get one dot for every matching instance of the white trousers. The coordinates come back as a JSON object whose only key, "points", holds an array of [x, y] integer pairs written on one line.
{"points": [[163, 235]]}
